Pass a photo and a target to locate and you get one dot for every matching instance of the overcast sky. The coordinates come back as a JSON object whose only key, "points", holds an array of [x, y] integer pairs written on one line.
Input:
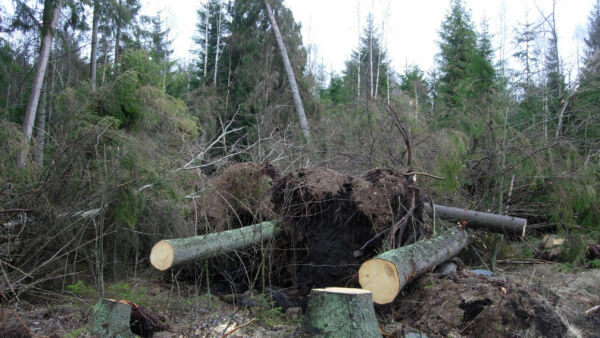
{"points": [[412, 27]]}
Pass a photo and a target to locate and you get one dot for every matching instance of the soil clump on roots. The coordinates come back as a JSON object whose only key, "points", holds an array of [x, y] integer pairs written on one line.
{"points": [[467, 304], [334, 222]]}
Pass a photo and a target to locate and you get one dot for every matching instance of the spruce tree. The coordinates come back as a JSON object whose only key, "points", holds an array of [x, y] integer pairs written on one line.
{"points": [[370, 59]]}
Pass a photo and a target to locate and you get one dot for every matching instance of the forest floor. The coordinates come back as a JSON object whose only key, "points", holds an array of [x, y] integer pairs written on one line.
{"points": [[192, 315]]}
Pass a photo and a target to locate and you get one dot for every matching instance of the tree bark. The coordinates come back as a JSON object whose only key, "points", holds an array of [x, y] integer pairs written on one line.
{"points": [[340, 312], [371, 52], [94, 51], [111, 319], [40, 133], [217, 46], [386, 274], [513, 227], [359, 60], [40, 72], [170, 252], [118, 35], [290, 74], [205, 41]]}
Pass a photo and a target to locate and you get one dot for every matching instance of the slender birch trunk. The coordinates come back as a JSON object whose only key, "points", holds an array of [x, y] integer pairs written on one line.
{"points": [[105, 61], [40, 133], [371, 54], [118, 35], [94, 52], [378, 63], [358, 62], [217, 47], [290, 74], [387, 82], [54, 7]]}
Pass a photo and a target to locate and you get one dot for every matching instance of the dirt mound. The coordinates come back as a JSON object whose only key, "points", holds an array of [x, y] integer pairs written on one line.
{"points": [[328, 217], [467, 304], [239, 196]]}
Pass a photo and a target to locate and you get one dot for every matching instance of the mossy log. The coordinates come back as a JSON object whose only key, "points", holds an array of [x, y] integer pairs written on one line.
{"points": [[340, 312], [386, 274], [513, 227], [171, 252]]}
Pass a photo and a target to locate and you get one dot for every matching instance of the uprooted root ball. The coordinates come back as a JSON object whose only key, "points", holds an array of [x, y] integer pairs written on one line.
{"points": [[328, 217]]}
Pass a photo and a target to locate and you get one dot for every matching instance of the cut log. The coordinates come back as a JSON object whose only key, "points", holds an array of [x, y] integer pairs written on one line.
{"points": [[171, 252], [386, 274], [340, 312], [513, 227]]}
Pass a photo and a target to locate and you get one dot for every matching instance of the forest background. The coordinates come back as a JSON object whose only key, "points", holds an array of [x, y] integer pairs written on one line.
{"points": [[98, 118]]}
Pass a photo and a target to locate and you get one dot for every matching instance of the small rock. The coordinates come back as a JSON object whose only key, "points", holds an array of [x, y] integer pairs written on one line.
{"points": [[480, 272], [446, 269]]}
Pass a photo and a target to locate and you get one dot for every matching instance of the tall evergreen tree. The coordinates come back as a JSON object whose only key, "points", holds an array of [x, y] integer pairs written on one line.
{"points": [[458, 49], [212, 31]]}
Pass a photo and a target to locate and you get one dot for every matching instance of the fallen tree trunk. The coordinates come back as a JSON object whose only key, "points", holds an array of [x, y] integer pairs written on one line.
{"points": [[340, 312], [170, 252], [386, 274], [513, 227]]}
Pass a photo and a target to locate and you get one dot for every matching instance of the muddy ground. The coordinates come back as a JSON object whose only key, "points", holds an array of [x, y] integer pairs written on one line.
{"points": [[196, 314]]}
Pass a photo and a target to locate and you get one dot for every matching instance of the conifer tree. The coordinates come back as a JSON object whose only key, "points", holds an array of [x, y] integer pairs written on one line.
{"points": [[367, 62]]}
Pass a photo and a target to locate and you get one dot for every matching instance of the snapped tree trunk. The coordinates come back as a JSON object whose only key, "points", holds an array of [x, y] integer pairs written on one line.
{"points": [[94, 51], [386, 274], [53, 7], [512, 227], [340, 312], [290, 74], [170, 252]]}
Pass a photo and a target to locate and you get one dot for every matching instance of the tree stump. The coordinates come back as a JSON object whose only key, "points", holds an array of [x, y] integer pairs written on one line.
{"points": [[111, 319], [340, 312]]}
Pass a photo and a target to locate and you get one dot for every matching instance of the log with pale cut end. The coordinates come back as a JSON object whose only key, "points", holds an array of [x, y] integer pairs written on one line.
{"points": [[386, 274], [513, 227], [340, 312], [171, 252]]}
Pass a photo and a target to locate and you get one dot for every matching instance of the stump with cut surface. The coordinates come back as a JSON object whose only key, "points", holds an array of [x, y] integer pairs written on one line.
{"points": [[170, 252], [122, 318], [340, 312], [111, 319], [386, 274]]}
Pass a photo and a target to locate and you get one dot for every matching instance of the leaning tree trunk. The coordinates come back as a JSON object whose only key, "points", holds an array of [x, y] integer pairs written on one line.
{"points": [[340, 312], [386, 274], [40, 133], [290, 73], [54, 8], [513, 227], [170, 252]]}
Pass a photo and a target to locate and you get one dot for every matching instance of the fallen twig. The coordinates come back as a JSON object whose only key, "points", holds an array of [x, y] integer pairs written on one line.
{"points": [[594, 309], [22, 324], [14, 210], [238, 327]]}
